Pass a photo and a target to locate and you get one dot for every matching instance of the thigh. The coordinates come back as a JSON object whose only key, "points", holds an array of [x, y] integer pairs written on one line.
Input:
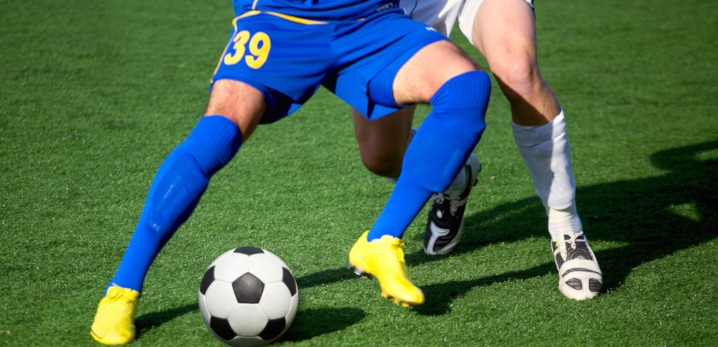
{"points": [[240, 102], [428, 70], [503, 29]]}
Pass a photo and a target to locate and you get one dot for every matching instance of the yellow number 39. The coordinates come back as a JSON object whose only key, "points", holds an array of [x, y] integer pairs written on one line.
{"points": [[258, 45]]}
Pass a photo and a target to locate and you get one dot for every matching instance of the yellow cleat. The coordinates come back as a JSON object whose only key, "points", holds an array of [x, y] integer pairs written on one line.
{"points": [[384, 260], [114, 322]]}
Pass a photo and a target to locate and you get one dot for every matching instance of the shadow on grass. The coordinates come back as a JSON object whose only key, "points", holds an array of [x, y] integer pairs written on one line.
{"points": [[307, 325], [148, 321], [316, 322], [326, 276], [651, 217]]}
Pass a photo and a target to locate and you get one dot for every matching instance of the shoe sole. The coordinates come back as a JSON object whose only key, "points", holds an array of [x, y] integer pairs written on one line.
{"points": [[361, 273]]}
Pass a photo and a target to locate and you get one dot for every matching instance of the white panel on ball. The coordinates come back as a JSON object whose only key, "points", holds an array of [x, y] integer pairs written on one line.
{"points": [[248, 320], [275, 299], [265, 268], [230, 267], [216, 299]]}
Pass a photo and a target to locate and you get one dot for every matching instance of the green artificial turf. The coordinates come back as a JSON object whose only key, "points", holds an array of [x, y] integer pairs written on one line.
{"points": [[94, 94]]}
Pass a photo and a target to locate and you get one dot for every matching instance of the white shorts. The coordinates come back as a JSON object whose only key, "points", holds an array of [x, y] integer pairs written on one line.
{"points": [[442, 14]]}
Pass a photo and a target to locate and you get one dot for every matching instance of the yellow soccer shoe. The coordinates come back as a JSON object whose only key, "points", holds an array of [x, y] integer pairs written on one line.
{"points": [[384, 260], [114, 322]]}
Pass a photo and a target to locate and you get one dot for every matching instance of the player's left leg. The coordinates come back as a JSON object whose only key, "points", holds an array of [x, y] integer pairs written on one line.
{"points": [[459, 96], [458, 93], [504, 31], [382, 143]]}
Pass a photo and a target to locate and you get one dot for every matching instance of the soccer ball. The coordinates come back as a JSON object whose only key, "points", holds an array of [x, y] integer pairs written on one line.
{"points": [[248, 297]]}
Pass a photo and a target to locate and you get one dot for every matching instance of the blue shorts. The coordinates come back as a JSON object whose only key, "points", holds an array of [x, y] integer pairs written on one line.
{"points": [[288, 58]]}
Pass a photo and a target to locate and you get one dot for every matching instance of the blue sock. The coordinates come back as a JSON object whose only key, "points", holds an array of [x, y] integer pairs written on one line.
{"points": [[177, 187], [438, 150]]}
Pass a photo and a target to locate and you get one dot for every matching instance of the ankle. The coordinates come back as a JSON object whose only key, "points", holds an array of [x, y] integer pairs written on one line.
{"points": [[562, 222]]}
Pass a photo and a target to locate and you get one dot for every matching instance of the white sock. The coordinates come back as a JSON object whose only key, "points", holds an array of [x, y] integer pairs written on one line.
{"points": [[459, 182], [547, 154], [562, 222]]}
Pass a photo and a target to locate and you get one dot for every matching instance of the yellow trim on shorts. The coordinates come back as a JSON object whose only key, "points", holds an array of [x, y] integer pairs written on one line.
{"points": [[295, 19], [280, 15]]}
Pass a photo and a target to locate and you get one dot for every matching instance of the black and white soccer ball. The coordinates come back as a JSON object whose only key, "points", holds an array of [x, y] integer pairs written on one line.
{"points": [[248, 297]]}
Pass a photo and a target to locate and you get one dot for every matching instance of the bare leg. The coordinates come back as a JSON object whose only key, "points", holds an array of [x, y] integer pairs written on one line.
{"points": [[505, 33], [382, 142]]}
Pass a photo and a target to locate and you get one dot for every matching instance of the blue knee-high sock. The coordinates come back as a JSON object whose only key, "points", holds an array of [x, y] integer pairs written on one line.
{"points": [[175, 191], [438, 150]]}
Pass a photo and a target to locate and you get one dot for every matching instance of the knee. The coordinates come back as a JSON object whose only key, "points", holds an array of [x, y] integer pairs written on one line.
{"points": [[462, 101], [518, 75], [450, 132]]}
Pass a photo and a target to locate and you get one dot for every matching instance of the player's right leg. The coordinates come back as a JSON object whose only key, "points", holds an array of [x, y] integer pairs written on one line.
{"points": [[505, 32], [177, 187], [240, 98], [175, 191]]}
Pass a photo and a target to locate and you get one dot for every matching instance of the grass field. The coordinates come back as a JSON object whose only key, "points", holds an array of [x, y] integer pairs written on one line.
{"points": [[94, 94]]}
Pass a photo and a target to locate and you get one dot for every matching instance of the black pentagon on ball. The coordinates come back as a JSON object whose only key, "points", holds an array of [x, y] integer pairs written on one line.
{"points": [[248, 289], [207, 280], [248, 250], [222, 328], [273, 329], [289, 281]]}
